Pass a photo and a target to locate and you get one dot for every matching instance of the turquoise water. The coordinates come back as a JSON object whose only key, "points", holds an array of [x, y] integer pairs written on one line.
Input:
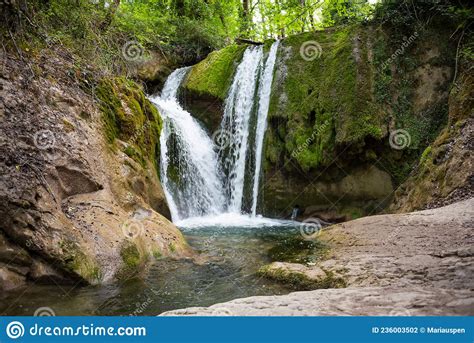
{"points": [[229, 260]]}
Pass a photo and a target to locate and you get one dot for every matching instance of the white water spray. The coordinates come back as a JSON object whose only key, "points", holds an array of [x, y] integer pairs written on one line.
{"points": [[264, 93], [189, 168], [237, 111]]}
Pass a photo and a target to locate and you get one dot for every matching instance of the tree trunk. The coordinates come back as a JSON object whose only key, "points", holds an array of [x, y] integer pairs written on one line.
{"points": [[246, 17], [179, 8]]}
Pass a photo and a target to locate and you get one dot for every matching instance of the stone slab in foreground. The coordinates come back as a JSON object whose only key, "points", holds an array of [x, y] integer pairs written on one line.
{"points": [[376, 301]]}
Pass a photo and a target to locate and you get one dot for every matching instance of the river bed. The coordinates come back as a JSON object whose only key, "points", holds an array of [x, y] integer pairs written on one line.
{"points": [[230, 257]]}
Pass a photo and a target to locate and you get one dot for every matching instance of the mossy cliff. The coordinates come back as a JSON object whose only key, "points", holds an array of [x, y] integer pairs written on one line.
{"points": [[205, 87], [338, 96], [328, 149], [129, 116], [133, 125]]}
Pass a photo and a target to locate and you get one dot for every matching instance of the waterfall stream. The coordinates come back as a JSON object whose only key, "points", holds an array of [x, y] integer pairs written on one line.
{"points": [[235, 125], [189, 169], [204, 178], [265, 90]]}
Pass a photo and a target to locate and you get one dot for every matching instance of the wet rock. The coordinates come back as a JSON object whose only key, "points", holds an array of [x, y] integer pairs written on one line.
{"points": [[294, 274], [10, 280]]}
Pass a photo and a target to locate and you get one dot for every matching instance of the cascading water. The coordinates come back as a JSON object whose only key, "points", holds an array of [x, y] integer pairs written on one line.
{"points": [[235, 124], [264, 93], [204, 182], [189, 170]]}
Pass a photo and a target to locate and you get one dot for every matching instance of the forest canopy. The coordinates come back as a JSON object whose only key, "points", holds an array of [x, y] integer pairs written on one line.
{"points": [[187, 30]]}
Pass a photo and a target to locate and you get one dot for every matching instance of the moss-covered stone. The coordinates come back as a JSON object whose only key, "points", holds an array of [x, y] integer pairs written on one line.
{"points": [[129, 116], [332, 112], [134, 258], [205, 87], [322, 99], [130, 256], [299, 277], [213, 75], [444, 174], [77, 262]]}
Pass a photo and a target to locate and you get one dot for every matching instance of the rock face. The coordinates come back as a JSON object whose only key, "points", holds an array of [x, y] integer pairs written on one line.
{"points": [[350, 112], [445, 171], [418, 263], [80, 198], [346, 124]]}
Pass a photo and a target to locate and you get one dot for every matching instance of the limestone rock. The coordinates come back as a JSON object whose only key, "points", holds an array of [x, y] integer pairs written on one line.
{"points": [[373, 301]]}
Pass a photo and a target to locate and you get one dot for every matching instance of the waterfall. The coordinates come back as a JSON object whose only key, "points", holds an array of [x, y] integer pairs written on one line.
{"points": [[204, 177], [264, 93], [189, 169], [235, 125]]}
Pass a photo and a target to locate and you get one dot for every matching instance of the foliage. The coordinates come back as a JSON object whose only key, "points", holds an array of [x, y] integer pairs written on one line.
{"points": [[339, 12], [190, 29], [407, 13], [187, 30]]}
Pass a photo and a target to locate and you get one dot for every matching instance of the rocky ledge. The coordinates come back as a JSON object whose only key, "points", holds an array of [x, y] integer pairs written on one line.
{"points": [[418, 263]]}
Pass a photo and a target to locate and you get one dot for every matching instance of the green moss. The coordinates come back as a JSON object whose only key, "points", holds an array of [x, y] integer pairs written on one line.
{"points": [[425, 155], [75, 261], [299, 281], [213, 75], [296, 250], [328, 99], [128, 115], [130, 256], [172, 247], [135, 155], [267, 44], [157, 254]]}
